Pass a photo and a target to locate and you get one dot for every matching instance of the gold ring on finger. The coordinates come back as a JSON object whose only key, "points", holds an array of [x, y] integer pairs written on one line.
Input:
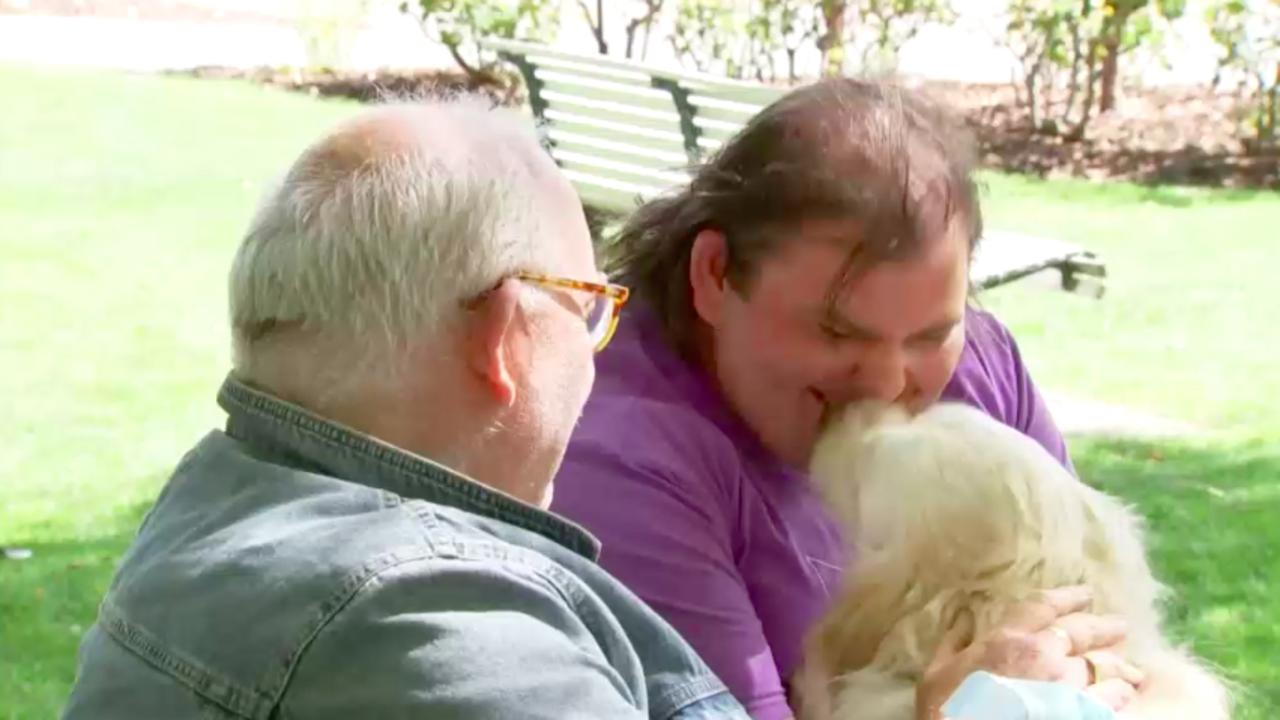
{"points": [[1100, 666], [1092, 668]]}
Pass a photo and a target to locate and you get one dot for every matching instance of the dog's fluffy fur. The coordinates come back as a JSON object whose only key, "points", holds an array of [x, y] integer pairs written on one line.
{"points": [[953, 518]]}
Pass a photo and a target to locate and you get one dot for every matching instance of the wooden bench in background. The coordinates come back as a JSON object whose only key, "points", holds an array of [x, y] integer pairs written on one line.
{"points": [[624, 132]]}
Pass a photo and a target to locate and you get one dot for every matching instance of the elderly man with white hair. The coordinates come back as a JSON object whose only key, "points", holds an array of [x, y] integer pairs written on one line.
{"points": [[414, 311]]}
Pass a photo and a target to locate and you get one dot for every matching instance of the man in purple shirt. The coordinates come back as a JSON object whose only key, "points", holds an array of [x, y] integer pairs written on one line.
{"points": [[819, 258]]}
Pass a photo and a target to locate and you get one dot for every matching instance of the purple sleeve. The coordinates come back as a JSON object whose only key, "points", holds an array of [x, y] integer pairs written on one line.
{"points": [[1033, 416], [666, 535], [992, 377]]}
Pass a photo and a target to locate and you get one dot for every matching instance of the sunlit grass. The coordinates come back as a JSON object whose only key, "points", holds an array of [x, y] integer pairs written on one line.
{"points": [[121, 201]]}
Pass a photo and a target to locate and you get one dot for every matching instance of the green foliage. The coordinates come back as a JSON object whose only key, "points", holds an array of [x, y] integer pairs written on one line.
{"points": [[1068, 48], [329, 29], [1248, 35], [756, 38], [708, 35], [642, 19], [785, 26], [458, 24], [1044, 35], [884, 26]]}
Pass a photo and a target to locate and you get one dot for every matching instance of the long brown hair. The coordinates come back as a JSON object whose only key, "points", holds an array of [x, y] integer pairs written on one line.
{"points": [[884, 157]]}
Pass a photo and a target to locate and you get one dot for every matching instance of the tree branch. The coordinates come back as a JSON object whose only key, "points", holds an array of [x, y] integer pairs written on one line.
{"points": [[653, 6], [597, 26]]}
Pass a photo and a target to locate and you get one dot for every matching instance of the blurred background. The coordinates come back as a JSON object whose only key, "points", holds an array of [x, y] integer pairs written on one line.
{"points": [[135, 138]]}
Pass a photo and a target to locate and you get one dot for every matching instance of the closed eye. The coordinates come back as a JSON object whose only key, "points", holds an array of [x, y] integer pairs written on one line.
{"points": [[844, 333], [832, 332], [933, 337]]}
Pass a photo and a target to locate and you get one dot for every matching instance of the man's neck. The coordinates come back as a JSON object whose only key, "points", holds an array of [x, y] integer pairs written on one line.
{"points": [[449, 431]]}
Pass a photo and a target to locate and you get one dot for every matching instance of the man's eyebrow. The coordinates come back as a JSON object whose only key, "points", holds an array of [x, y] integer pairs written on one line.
{"points": [[845, 326], [938, 328]]}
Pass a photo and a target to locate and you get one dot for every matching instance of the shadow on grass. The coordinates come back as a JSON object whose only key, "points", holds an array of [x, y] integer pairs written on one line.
{"points": [[1123, 194], [1213, 537], [1182, 196], [47, 603]]}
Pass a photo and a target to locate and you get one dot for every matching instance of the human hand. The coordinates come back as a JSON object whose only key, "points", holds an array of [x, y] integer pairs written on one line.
{"points": [[1050, 637]]}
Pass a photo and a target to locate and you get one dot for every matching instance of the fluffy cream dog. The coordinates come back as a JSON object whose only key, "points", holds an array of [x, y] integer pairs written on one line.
{"points": [[953, 518]]}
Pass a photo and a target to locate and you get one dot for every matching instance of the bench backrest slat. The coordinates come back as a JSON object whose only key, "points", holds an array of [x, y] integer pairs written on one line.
{"points": [[629, 94], [622, 170], [634, 152], [659, 138]]}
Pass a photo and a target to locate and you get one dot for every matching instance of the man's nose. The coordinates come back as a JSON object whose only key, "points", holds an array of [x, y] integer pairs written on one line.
{"points": [[879, 374], [884, 372]]}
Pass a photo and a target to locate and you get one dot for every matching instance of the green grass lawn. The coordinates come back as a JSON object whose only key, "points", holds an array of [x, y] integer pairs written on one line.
{"points": [[121, 202], [1188, 329]]}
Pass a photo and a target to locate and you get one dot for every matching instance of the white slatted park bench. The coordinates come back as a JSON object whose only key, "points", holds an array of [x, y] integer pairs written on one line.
{"points": [[624, 132]]}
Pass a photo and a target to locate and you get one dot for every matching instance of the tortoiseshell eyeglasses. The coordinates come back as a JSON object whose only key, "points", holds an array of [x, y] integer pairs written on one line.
{"points": [[603, 310]]}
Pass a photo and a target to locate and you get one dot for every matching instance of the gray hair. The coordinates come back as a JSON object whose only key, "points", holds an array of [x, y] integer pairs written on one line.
{"points": [[345, 268]]}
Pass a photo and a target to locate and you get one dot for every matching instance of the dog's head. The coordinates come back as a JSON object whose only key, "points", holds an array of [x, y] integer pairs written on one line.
{"points": [[953, 517]]}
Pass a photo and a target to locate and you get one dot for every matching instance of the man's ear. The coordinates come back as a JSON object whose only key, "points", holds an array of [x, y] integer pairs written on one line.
{"points": [[708, 262], [493, 341]]}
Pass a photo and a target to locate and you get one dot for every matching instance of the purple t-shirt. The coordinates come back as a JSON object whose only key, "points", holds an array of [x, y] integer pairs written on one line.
{"points": [[699, 520]]}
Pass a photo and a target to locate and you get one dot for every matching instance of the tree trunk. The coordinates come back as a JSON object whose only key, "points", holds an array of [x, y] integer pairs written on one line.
{"points": [[832, 41], [1110, 69], [644, 44], [1033, 97], [1112, 33], [1086, 110], [1048, 89], [1073, 81], [471, 71], [602, 45], [1040, 56], [1273, 109], [652, 7], [596, 24]]}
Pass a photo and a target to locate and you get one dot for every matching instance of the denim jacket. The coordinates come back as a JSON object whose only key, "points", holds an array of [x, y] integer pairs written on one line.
{"points": [[293, 568]]}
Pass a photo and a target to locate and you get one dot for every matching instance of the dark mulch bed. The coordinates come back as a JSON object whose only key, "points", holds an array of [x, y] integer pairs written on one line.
{"points": [[1168, 136], [1185, 135]]}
